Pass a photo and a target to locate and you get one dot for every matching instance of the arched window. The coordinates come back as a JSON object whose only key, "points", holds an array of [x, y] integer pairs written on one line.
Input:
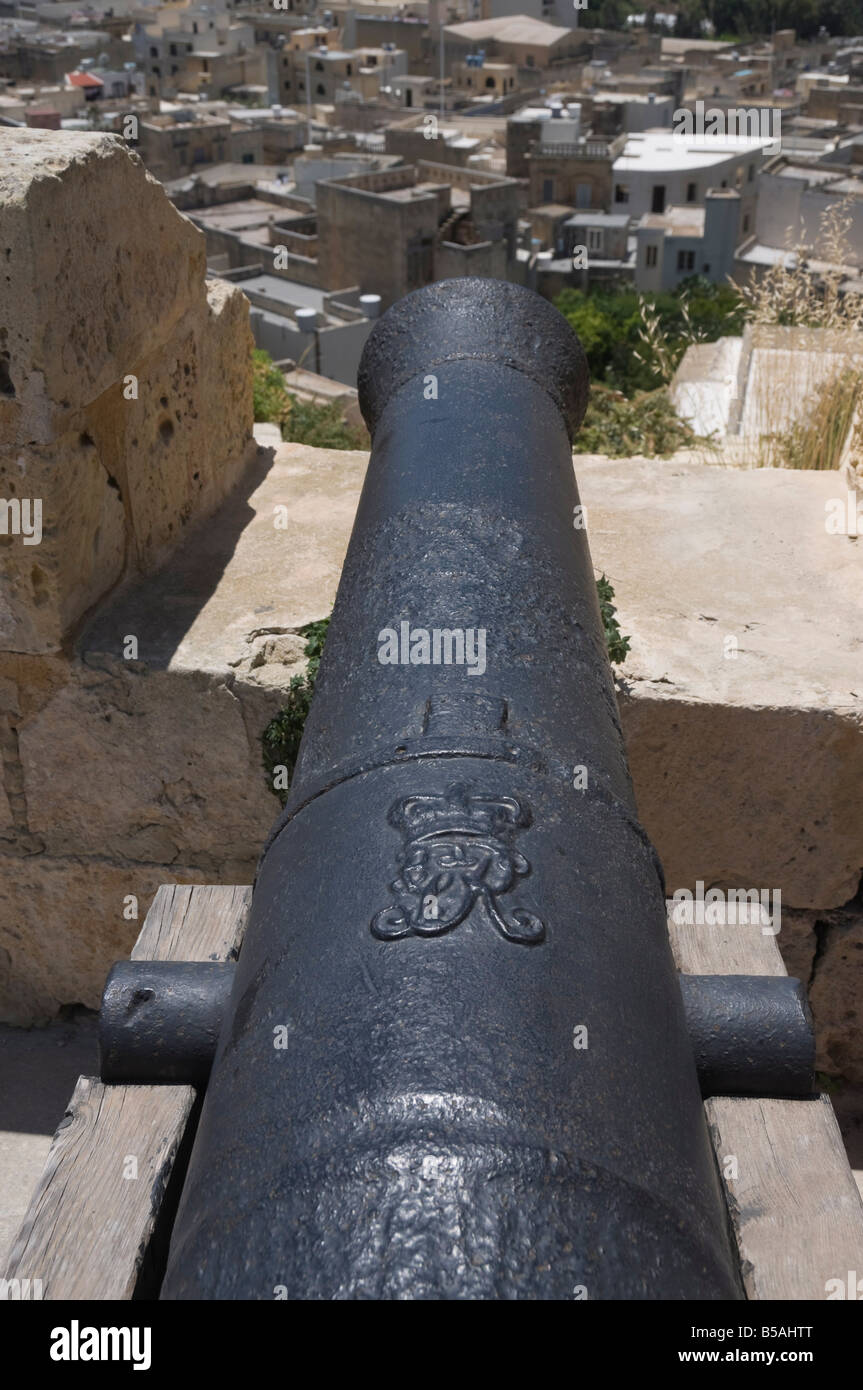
{"points": [[321, 90]]}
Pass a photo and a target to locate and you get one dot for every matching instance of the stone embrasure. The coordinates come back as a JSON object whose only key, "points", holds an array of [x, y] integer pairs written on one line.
{"points": [[125, 417], [747, 769], [126, 400]]}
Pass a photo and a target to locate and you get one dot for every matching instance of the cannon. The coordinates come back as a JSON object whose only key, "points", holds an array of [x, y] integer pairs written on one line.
{"points": [[454, 1059]]}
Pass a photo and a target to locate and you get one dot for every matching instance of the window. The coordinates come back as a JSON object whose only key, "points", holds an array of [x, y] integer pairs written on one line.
{"points": [[686, 260], [489, 81], [173, 69], [321, 91], [194, 26], [319, 67], [658, 198], [349, 70], [724, 183], [529, 60], [173, 50], [691, 192], [750, 173], [284, 62], [621, 192], [154, 52], [650, 256], [248, 159], [746, 222], [594, 238], [548, 190]]}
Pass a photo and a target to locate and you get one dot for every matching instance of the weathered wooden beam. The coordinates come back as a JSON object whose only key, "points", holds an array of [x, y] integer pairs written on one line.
{"points": [[88, 1228], [794, 1205]]}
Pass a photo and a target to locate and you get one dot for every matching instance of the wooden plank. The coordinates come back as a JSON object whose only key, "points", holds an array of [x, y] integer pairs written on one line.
{"points": [[725, 949], [90, 1221], [795, 1208], [794, 1204], [193, 922]]}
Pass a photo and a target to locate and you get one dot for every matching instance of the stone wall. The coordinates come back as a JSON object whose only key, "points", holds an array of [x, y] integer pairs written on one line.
{"points": [[125, 419]]}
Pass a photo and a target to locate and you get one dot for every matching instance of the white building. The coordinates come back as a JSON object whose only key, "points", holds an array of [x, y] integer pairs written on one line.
{"points": [[681, 242], [659, 168]]}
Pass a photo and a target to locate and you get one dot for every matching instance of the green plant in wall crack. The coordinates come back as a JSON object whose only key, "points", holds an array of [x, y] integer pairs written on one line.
{"points": [[617, 644], [281, 738]]}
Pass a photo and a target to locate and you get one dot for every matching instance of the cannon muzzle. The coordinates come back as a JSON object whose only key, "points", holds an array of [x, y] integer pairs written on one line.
{"points": [[455, 1062]]}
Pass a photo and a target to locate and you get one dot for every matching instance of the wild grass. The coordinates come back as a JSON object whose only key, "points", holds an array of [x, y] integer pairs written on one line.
{"points": [[806, 412]]}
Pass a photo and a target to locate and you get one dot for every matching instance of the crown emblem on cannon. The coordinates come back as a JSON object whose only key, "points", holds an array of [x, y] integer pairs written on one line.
{"points": [[458, 854]]}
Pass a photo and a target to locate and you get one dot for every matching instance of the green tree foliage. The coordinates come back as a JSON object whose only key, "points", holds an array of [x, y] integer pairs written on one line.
{"points": [[733, 19], [322, 426], [610, 325], [647, 424], [301, 422], [281, 738], [272, 404]]}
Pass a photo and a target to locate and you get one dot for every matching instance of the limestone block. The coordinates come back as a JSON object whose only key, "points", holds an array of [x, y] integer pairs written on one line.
{"points": [[80, 545], [99, 266], [797, 942], [836, 996], [741, 699], [748, 798], [145, 766], [62, 926], [125, 379], [225, 403], [176, 449]]}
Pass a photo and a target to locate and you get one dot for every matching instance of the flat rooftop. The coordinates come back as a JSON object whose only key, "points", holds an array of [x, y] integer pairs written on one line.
{"points": [[247, 213], [516, 28], [287, 294], [686, 221], [655, 152]]}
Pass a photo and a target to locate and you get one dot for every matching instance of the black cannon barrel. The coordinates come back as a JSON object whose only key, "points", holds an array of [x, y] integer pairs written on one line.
{"points": [[455, 1061]]}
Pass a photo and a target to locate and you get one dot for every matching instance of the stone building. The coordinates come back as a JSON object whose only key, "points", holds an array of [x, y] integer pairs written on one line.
{"points": [[395, 230], [576, 172]]}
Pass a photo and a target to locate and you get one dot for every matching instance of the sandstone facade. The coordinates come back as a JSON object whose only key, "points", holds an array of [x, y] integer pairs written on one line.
{"points": [[125, 419], [125, 395]]}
